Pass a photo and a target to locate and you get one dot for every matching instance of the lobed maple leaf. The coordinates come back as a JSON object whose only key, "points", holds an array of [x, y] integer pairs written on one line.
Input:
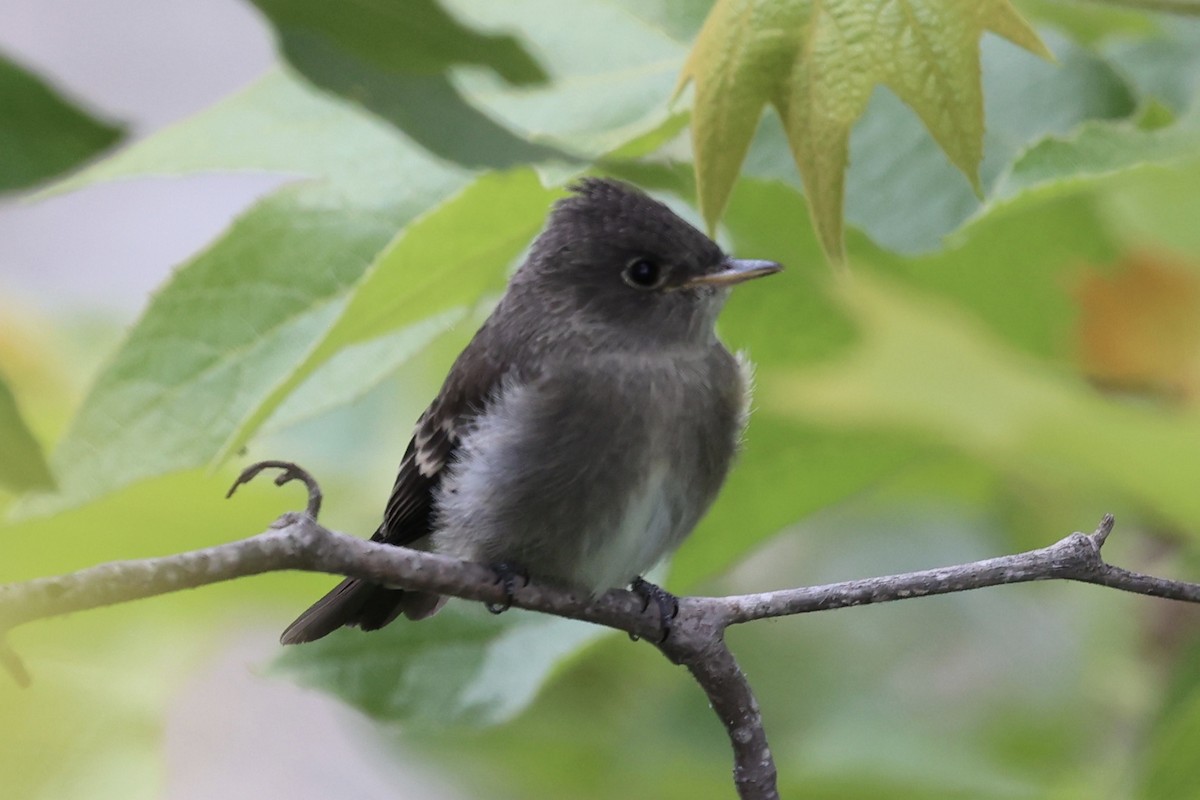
{"points": [[817, 62]]}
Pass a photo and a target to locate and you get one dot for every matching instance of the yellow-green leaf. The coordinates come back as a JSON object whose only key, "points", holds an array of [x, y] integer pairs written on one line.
{"points": [[419, 278], [22, 466], [924, 368], [817, 64]]}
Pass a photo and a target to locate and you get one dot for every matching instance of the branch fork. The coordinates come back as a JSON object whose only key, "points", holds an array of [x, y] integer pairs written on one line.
{"points": [[296, 541]]}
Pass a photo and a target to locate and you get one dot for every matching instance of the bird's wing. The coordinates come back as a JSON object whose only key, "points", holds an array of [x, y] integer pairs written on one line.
{"points": [[407, 517], [471, 383]]}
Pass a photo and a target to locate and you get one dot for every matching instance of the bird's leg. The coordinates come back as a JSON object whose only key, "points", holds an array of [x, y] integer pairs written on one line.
{"points": [[506, 576], [667, 603]]}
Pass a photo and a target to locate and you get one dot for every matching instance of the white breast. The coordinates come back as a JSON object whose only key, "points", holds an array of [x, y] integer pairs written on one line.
{"points": [[600, 503], [648, 528]]}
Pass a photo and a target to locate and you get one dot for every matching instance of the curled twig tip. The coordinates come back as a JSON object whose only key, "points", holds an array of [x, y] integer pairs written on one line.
{"points": [[291, 472], [1104, 529]]}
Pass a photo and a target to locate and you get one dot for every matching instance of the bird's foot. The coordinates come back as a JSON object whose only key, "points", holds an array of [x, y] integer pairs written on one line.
{"points": [[506, 576], [667, 603]]}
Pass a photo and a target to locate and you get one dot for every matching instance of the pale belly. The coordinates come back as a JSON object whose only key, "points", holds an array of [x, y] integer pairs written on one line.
{"points": [[550, 480], [650, 526]]}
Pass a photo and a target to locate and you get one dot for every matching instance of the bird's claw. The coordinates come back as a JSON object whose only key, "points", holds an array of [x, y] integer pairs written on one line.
{"points": [[506, 576], [667, 603]]}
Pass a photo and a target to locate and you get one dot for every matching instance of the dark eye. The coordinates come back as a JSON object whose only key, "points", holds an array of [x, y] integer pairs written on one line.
{"points": [[642, 273]]}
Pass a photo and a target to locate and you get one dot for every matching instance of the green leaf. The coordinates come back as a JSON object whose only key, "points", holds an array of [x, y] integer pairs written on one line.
{"points": [[356, 369], [440, 264], [393, 59], [1166, 66], [432, 40], [924, 369], [598, 98], [22, 466], [1025, 299], [785, 472], [817, 64], [1155, 208], [464, 86], [1089, 23], [232, 323], [1171, 770], [213, 342], [281, 124], [679, 19], [489, 224], [462, 668], [41, 133], [1096, 150], [895, 160], [1025, 99]]}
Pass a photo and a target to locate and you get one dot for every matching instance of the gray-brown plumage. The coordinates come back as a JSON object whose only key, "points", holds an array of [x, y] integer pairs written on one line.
{"points": [[587, 426]]}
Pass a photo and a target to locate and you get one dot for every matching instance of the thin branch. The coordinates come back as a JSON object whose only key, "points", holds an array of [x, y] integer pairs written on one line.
{"points": [[1076, 557], [297, 542]]}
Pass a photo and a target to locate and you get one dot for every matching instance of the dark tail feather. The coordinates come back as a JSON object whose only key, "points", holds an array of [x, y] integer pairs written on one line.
{"points": [[357, 604]]}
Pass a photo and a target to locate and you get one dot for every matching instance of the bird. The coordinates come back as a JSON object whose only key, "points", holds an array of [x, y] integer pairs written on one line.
{"points": [[587, 426]]}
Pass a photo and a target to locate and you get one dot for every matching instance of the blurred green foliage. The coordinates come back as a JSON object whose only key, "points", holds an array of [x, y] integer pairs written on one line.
{"points": [[23, 466], [43, 134], [966, 388]]}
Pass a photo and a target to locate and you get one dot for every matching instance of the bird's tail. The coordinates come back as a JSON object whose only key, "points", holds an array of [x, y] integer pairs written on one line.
{"points": [[359, 604]]}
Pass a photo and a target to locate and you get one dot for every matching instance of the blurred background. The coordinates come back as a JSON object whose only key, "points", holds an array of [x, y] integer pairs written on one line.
{"points": [[75, 272], [1051, 330]]}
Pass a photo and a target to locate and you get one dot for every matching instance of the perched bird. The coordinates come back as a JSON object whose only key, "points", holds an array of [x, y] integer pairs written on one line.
{"points": [[589, 424]]}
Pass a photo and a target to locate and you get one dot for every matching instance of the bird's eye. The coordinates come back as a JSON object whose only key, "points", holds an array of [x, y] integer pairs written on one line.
{"points": [[642, 273]]}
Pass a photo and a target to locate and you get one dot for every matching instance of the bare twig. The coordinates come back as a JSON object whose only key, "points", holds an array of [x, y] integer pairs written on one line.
{"points": [[297, 542], [1076, 557], [291, 472]]}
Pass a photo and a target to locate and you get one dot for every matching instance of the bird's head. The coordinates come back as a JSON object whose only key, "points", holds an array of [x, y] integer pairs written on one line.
{"points": [[613, 259]]}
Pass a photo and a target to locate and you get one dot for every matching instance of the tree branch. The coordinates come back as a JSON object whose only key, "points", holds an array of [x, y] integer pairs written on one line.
{"points": [[297, 542], [704, 652], [1076, 557]]}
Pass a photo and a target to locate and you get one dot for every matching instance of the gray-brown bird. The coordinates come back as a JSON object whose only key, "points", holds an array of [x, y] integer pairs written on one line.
{"points": [[589, 424]]}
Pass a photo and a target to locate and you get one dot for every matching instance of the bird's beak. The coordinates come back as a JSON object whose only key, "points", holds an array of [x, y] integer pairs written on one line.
{"points": [[735, 271]]}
